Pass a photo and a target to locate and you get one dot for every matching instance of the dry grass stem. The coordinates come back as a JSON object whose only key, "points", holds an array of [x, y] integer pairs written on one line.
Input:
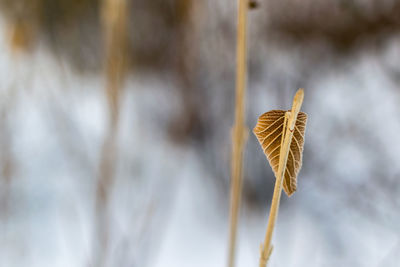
{"points": [[239, 129], [114, 15], [276, 130]]}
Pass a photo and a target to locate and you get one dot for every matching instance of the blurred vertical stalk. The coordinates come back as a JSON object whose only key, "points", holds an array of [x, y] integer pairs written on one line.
{"points": [[239, 128], [114, 15], [7, 162], [186, 123], [114, 22]]}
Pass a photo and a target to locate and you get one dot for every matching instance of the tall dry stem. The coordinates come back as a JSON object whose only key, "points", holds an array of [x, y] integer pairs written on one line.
{"points": [[291, 118], [239, 129], [114, 15]]}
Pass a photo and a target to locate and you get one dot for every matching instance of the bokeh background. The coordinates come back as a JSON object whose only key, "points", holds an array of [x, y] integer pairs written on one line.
{"points": [[115, 132]]}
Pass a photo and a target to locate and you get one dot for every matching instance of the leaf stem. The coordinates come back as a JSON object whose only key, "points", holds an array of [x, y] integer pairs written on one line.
{"points": [[290, 118]]}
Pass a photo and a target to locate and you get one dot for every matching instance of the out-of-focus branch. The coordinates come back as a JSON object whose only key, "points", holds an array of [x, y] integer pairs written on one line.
{"points": [[115, 29], [7, 164], [114, 23], [187, 124]]}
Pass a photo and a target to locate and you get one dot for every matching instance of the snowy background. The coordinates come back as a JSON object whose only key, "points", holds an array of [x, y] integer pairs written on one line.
{"points": [[168, 200]]}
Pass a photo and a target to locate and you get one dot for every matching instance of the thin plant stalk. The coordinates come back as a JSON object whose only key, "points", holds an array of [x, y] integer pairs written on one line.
{"points": [[239, 129], [291, 118], [114, 18]]}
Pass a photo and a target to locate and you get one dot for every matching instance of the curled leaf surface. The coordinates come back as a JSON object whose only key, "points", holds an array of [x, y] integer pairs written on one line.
{"points": [[270, 129]]}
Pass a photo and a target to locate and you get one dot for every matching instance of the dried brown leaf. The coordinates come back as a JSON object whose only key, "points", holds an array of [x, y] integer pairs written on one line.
{"points": [[270, 128]]}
